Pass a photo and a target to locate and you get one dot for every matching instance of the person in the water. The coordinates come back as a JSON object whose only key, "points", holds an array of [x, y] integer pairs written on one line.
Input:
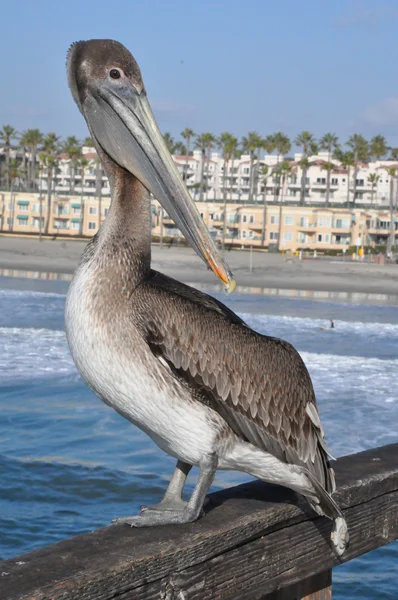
{"points": [[331, 324]]}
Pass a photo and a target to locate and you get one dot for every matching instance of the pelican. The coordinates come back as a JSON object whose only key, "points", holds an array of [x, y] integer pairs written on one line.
{"points": [[179, 364]]}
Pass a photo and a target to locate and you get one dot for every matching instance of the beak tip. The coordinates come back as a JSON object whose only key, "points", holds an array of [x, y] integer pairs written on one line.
{"points": [[230, 286]]}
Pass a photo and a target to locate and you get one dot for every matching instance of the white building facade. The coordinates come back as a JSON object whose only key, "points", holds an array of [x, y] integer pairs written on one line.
{"points": [[234, 181]]}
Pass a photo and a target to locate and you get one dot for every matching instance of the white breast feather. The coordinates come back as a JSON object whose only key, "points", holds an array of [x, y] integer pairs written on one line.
{"points": [[136, 384]]}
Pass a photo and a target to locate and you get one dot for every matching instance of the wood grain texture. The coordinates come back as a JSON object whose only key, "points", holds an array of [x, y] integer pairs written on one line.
{"points": [[317, 587], [254, 540]]}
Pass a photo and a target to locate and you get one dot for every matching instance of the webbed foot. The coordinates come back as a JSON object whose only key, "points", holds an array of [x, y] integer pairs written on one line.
{"points": [[151, 516]]}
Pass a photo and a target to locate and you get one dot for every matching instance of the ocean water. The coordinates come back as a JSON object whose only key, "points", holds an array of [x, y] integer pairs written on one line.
{"points": [[69, 464]]}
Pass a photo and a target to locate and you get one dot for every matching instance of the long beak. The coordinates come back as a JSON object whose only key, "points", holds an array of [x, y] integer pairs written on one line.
{"points": [[123, 124]]}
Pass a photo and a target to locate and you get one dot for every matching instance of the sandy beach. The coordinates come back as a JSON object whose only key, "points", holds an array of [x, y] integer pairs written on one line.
{"points": [[269, 270]]}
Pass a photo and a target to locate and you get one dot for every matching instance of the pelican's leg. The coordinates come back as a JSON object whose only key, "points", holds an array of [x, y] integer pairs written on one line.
{"points": [[173, 497], [184, 513]]}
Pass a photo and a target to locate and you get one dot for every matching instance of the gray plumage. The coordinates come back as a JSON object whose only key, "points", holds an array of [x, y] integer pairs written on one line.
{"points": [[174, 361]]}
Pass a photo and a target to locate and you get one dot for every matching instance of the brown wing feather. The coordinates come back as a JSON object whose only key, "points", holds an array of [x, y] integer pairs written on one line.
{"points": [[259, 384]]}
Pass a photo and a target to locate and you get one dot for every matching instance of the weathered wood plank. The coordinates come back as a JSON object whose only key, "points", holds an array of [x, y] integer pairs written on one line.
{"points": [[318, 587], [250, 544]]}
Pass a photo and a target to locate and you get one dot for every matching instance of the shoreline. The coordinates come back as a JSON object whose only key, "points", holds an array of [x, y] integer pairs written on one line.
{"points": [[269, 271]]}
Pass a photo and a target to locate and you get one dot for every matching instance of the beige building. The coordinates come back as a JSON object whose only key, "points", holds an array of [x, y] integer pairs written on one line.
{"points": [[286, 228]]}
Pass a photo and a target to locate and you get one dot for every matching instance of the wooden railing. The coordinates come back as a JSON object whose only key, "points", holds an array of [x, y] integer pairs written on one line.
{"points": [[256, 541]]}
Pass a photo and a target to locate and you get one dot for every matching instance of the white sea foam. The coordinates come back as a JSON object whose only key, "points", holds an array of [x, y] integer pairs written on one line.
{"points": [[25, 294], [32, 354], [263, 324]]}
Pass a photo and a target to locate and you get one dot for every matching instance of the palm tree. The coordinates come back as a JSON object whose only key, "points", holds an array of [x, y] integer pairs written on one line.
{"points": [[250, 145], [284, 169], [360, 149], [394, 153], [347, 161], [211, 142], [82, 164], [188, 135], [373, 179], [179, 148], [23, 166], [50, 163], [14, 171], [48, 157], [329, 142], [88, 141], [282, 146], [31, 139], [269, 144], [306, 140], [8, 133], [264, 177], [227, 143], [169, 142], [378, 147], [204, 142], [73, 149], [392, 171], [234, 153]]}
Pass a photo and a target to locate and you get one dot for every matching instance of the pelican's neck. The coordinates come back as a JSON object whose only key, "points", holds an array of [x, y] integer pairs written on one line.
{"points": [[123, 244]]}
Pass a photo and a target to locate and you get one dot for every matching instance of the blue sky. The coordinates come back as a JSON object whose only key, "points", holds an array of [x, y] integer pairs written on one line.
{"points": [[214, 65]]}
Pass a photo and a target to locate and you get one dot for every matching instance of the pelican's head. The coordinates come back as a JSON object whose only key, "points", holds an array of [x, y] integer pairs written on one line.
{"points": [[107, 86]]}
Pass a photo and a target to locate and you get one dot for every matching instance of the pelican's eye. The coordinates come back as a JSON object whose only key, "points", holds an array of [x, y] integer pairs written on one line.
{"points": [[115, 74]]}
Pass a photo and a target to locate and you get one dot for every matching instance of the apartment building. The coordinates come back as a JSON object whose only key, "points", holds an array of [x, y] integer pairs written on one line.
{"points": [[241, 181], [236, 179], [274, 226]]}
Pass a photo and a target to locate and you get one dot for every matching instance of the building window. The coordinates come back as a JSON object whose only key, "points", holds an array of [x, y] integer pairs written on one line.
{"points": [[60, 224], [23, 208], [92, 225], [251, 219], [273, 235], [289, 220], [288, 236], [342, 223], [323, 238], [321, 180], [76, 211], [75, 225], [303, 221], [92, 210], [244, 233], [275, 220], [302, 238], [320, 221], [335, 181], [244, 219], [106, 210], [22, 222]]}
